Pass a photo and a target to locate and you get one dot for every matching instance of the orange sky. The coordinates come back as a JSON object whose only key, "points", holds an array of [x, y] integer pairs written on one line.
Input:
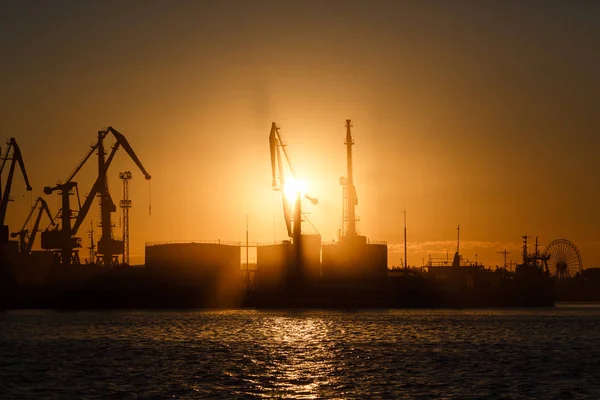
{"points": [[473, 114]]}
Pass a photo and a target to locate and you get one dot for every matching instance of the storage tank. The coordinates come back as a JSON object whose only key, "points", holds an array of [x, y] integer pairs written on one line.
{"points": [[212, 267], [275, 262], [194, 260], [272, 264], [354, 258]]}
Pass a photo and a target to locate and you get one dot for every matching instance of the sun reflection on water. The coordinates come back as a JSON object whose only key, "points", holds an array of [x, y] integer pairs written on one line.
{"points": [[299, 360]]}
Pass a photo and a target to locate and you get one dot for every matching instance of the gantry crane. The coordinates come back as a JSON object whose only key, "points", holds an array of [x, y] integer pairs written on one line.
{"points": [[63, 240], [14, 158], [26, 238]]}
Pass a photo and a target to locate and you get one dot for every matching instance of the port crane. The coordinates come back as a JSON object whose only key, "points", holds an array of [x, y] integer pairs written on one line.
{"points": [[279, 183], [15, 158], [26, 238], [63, 240]]}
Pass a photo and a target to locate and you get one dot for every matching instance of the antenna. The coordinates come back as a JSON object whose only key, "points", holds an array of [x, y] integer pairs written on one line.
{"points": [[505, 252], [405, 257]]}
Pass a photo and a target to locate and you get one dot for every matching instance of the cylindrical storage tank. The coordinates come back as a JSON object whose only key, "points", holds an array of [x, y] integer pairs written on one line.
{"points": [[354, 259], [214, 268], [272, 264]]}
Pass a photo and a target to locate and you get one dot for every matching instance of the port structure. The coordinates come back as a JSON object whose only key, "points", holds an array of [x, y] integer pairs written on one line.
{"points": [[125, 206], [348, 232], [353, 257], [505, 253], [13, 154], [536, 258], [350, 199], [63, 240], [27, 238], [277, 147]]}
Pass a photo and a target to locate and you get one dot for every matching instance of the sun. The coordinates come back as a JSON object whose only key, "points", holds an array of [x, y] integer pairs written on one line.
{"points": [[292, 187]]}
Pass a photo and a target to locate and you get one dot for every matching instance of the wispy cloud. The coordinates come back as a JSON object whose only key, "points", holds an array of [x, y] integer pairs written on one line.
{"points": [[442, 246]]}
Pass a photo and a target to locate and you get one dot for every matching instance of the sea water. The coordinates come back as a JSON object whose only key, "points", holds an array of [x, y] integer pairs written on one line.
{"points": [[468, 354]]}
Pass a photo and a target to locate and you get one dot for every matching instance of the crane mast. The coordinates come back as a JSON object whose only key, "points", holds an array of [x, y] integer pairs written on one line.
{"points": [[350, 197], [107, 246]]}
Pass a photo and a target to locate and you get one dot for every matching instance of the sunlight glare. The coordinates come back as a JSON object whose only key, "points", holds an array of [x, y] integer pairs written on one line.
{"points": [[292, 187]]}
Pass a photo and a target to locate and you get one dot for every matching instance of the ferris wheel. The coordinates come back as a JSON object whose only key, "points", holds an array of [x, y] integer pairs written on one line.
{"points": [[564, 259]]}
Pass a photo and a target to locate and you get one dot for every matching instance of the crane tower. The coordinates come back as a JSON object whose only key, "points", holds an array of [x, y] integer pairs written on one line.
{"points": [[354, 256], [350, 197]]}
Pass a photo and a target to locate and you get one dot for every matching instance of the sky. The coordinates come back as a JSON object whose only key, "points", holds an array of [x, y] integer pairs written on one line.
{"points": [[482, 114]]}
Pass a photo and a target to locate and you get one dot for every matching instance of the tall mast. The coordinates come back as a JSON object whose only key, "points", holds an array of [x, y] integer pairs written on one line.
{"points": [[405, 256], [351, 199]]}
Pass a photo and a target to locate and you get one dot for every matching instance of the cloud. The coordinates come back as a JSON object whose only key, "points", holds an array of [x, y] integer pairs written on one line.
{"points": [[443, 246]]}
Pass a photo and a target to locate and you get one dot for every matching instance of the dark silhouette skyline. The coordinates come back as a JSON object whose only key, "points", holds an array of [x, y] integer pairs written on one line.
{"points": [[482, 114]]}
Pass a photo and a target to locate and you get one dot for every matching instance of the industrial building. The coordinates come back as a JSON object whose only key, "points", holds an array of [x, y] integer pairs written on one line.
{"points": [[278, 262], [213, 269], [194, 260], [354, 258]]}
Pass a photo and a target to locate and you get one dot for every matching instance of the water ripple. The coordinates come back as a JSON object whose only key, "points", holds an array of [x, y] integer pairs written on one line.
{"points": [[546, 353]]}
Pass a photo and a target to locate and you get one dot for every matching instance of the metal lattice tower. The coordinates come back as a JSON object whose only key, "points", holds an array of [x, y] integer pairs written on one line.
{"points": [[92, 247], [125, 205]]}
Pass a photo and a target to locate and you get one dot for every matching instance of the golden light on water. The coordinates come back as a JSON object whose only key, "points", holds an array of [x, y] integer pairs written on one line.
{"points": [[301, 356]]}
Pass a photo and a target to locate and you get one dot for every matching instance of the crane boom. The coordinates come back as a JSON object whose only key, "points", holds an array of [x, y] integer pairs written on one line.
{"points": [[97, 188], [16, 158], [30, 215], [276, 147], [82, 162], [26, 246], [278, 174], [122, 140], [36, 225]]}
